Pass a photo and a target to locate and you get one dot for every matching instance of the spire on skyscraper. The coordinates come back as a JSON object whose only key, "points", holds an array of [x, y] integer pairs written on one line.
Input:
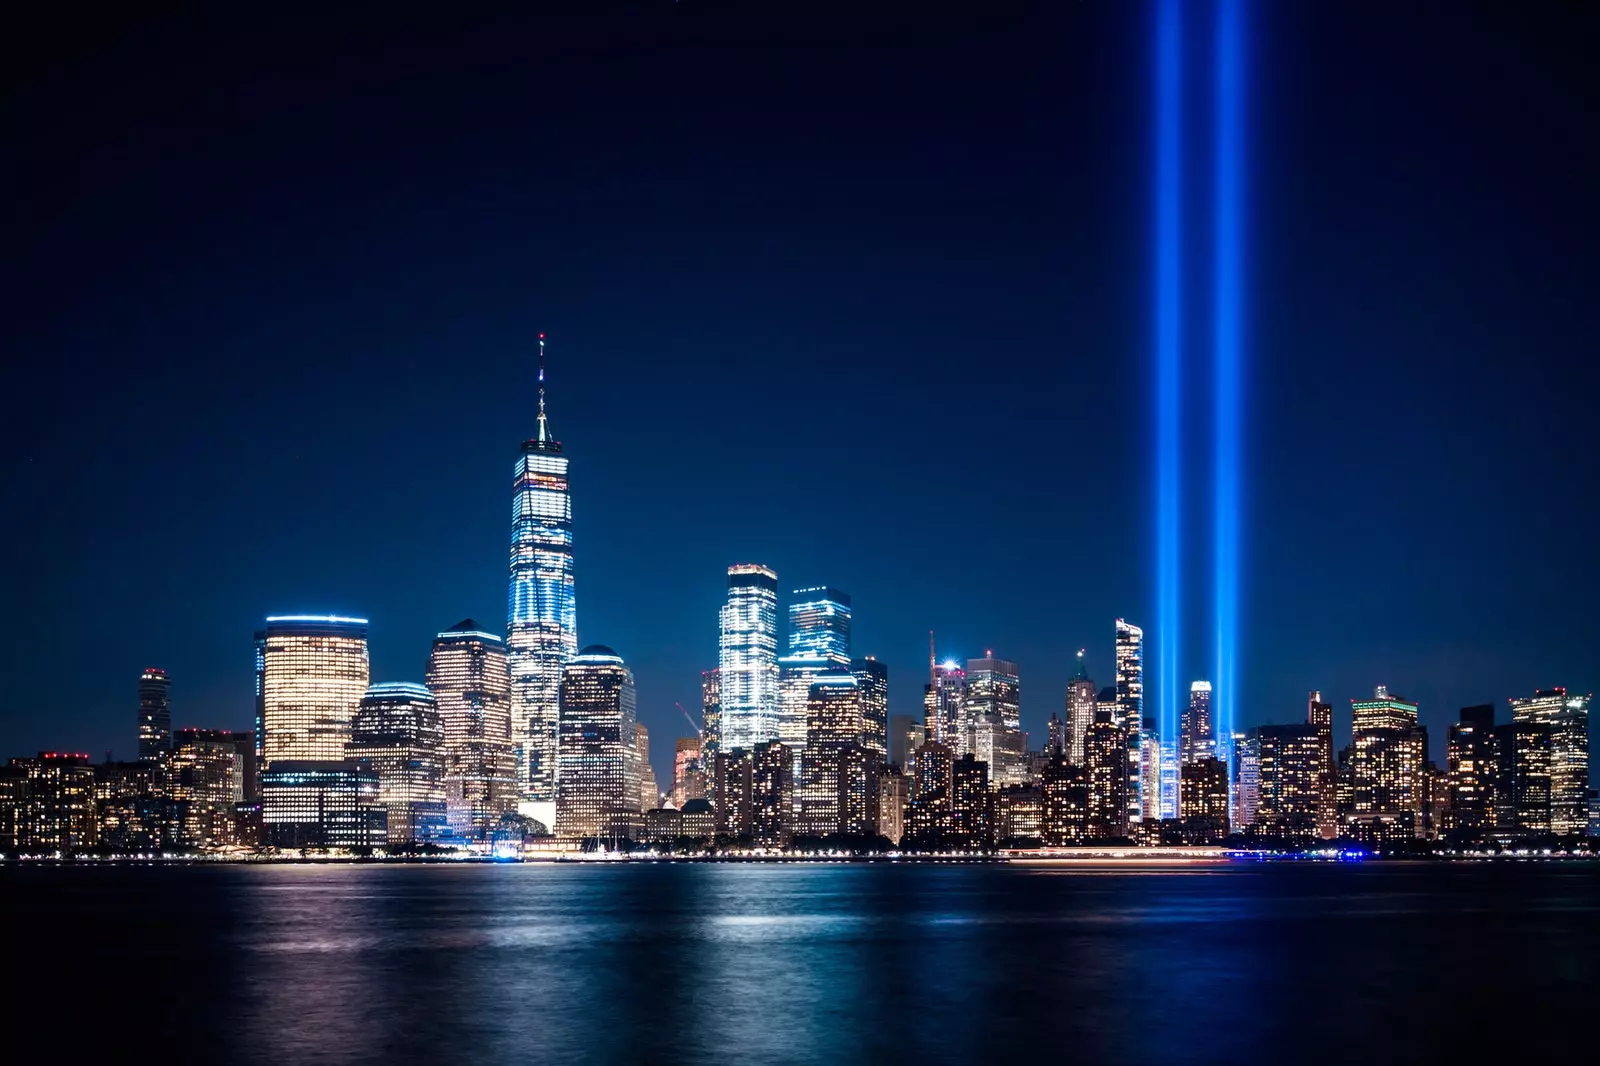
{"points": [[1083, 673], [544, 427]]}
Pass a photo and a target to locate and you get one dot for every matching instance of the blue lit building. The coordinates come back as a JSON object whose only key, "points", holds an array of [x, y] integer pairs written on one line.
{"points": [[398, 733], [819, 624], [541, 611], [748, 658]]}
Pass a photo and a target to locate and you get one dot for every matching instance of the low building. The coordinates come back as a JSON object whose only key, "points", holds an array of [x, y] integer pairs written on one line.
{"points": [[322, 804]]}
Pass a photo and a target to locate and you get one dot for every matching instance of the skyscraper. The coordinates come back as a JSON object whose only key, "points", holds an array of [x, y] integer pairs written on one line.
{"points": [[155, 714], [772, 795], [1567, 720], [1472, 765], [688, 773], [1289, 794], [1130, 710], [649, 788], [748, 665], [398, 733], [838, 781], [1390, 749], [1106, 771], [710, 723], [541, 610], [944, 702], [993, 717], [314, 673], [599, 773], [1319, 716], [1080, 711], [872, 685], [1197, 737], [204, 780], [467, 674], [819, 624]]}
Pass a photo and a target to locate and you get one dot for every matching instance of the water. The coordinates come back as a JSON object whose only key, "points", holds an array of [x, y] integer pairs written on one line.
{"points": [[805, 963]]}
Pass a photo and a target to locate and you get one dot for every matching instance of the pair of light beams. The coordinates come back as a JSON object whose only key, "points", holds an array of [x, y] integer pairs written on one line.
{"points": [[1227, 180]]}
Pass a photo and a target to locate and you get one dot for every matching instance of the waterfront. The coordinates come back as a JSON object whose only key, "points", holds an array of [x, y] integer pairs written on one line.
{"points": [[842, 963]]}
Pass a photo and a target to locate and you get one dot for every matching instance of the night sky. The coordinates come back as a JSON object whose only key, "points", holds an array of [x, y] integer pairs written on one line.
{"points": [[863, 298]]}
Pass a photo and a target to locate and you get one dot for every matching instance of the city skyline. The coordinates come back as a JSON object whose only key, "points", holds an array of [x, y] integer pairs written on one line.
{"points": [[687, 419]]}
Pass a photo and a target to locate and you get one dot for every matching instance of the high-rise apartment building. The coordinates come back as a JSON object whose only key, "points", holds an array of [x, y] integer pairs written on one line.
{"points": [[204, 781], [1065, 815], [1106, 770], [1319, 716], [1197, 736], [993, 732], [599, 773], [688, 772], [1244, 772], [649, 788], [772, 795], [838, 782], [748, 664], [944, 703], [819, 625], [733, 784], [398, 732], [1203, 800], [931, 789], [468, 674], [155, 714], [1080, 711], [710, 725], [1289, 765], [314, 673], [1130, 717], [1566, 718], [52, 799], [541, 608], [971, 813]]}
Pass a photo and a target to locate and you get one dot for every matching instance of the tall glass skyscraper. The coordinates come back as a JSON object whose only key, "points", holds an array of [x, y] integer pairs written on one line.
{"points": [[1566, 719], [541, 612], [600, 771], [872, 683], [1197, 736], [398, 733], [155, 714], [314, 673], [748, 666], [468, 677], [819, 624], [1130, 707]]}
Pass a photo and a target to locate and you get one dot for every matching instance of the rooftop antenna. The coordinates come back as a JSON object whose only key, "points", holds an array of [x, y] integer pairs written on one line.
{"points": [[933, 669], [544, 434]]}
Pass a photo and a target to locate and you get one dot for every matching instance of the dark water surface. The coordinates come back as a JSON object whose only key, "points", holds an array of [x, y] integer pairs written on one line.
{"points": [[818, 963]]}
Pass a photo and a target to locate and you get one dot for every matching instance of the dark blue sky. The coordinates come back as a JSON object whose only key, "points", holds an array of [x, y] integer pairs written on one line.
{"points": [[862, 298]]}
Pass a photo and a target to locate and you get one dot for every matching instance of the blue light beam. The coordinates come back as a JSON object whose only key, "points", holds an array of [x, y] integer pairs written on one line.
{"points": [[1169, 356], [1227, 319]]}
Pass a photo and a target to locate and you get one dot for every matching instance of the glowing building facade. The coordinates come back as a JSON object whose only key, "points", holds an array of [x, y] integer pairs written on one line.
{"points": [[468, 676], [872, 686], [838, 780], [321, 803], [748, 663], [600, 771], [1472, 766], [1289, 776], [314, 673], [1197, 736], [1387, 764], [1106, 778], [944, 702], [541, 610], [1130, 710], [1319, 716], [155, 714], [819, 625], [1566, 720], [399, 734], [1080, 712], [204, 780], [710, 722], [993, 728]]}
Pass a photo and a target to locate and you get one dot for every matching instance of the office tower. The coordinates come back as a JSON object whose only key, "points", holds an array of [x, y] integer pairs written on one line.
{"points": [[1197, 737], [1130, 710], [1319, 716], [971, 824], [688, 777], [1522, 798], [321, 803], [819, 625], [795, 674], [1019, 815], [1386, 768], [649, 787], [872, 683], [399, 733], [155, 714], [1080, 711], [894, 796], [261, 706], [772, 795], [1244, 771], [1289, 789], [944, 702], [1472, 765], [246, 744], [541, 608], [838, 779], [599, 774], [1203, 800], [53, 798], [710, 726], [1167, 775], [1149, 772], [314, 673], [733, 784], [748, 666], [993, 716], [468, 674], [1064, 818], [930, 795], [1055, 735], [1567, 720], [905, 735], [132, 811], [1106, 769], [205, 781]]}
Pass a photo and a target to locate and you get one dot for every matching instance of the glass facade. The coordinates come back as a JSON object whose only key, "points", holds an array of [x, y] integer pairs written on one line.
{"points": [[155, 714], [321, 804], [872, 683], [819, 624], [314, 673], [1130, 709], [1566, 718], [398, 732], [600, 772], [1387, 762], [541, 609], [468, 677], [1197, 736], [748, 665]]}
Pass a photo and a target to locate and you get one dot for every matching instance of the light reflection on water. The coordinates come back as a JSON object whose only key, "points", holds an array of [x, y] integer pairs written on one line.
{"points": [[825, 963]]}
